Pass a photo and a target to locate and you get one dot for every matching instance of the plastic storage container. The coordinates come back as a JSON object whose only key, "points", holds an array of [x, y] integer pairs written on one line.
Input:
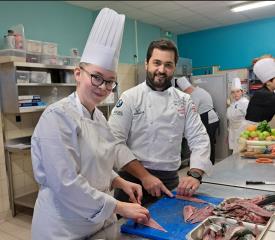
{"points": [[33, 57], [38, 77], [69, 77], [22, 76], [49, 59], [49, 48], [34, 46]]}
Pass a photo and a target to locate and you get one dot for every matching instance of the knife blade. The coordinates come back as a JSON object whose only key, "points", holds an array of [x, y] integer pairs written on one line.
{"points": [[259, 183]]}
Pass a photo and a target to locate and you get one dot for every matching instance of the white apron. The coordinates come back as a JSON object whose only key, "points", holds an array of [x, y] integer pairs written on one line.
{"points": [[236, 116], [55, 221]]}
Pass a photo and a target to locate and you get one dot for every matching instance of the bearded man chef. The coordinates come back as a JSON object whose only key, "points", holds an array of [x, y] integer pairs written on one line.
{"points": [[262, 104], [205, 107], [236, 114], [151, 120], [73, 150]]}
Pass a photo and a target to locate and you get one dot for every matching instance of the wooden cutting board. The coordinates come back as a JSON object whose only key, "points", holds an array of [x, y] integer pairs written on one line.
{"points": [[256, 155]]}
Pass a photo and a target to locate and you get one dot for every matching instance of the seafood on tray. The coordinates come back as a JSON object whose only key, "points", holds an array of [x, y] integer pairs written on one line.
{"points": [[220, 228]]}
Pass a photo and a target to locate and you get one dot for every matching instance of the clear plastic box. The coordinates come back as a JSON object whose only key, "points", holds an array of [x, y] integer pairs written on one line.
{"points": [[33, 57], [38, 77], [22, 76], [49, 59], [49, 48], [33, 46]]}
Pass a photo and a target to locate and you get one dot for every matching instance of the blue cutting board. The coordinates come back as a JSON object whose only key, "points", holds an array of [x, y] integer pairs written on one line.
{"points": [[168, 212]]}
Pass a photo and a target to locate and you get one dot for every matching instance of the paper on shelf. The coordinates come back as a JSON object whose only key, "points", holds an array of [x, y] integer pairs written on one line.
{"points": [[18, 146]]}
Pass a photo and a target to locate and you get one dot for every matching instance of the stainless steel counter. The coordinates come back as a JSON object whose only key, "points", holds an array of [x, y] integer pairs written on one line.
{"points": [[235, 170], [113, 232], [227, 180]]}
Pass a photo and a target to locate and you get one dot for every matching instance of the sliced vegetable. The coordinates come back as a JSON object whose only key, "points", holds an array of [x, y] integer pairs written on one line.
{"points": [[264, 160]]}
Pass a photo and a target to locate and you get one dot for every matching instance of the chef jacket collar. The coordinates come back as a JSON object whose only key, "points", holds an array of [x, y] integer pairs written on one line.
{"points": [[83, 111], [149, 84]]}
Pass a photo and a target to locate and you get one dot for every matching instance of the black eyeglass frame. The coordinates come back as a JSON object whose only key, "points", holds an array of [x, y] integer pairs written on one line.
{"points": [[100, 79]]}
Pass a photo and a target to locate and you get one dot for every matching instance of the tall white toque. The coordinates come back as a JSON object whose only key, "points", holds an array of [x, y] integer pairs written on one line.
{"points": [[236, 84], [104, 42], [265, 69]]}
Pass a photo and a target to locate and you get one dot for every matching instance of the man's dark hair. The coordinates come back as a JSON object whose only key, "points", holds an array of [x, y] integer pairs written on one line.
{"points": [[162, 44]]}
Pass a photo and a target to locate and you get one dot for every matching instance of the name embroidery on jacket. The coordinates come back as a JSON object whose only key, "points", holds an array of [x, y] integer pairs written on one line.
{"points": [[180, 106], [138, 111]]}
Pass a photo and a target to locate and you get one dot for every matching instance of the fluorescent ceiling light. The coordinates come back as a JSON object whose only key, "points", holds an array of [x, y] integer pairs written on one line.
{"points": [[252, 5]]}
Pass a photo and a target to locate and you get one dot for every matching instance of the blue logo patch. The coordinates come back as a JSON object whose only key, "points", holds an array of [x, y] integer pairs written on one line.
{"points": [[119, 103]]}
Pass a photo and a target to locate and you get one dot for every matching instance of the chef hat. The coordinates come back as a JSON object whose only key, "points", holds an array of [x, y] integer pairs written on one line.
{"points": [[183, 83], [104, 42], [236, 84], [265, 69]]}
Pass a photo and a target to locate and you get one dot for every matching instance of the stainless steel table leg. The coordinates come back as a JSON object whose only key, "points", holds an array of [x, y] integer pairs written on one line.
{"points": [[10, 182]]}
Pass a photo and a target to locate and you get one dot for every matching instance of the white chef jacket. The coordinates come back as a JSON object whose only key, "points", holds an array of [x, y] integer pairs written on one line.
{"points": [[152, 124], [72, 156], [203, 102], [236, 115]]}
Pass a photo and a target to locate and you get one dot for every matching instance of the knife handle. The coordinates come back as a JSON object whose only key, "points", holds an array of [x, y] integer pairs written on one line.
{"points": [[254, 182]]}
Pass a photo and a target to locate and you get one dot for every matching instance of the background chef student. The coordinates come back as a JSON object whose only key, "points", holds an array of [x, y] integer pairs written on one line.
{"points": [[204, 105], [262, 104], [73, 150], [151, 119], [236, 114]]}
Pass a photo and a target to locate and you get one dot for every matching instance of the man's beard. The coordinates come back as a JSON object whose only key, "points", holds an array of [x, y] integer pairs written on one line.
{"points": [[158, 85]]}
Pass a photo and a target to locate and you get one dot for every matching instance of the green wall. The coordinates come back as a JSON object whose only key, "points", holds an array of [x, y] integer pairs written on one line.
{"points": [[233, 46], [69, 27]]}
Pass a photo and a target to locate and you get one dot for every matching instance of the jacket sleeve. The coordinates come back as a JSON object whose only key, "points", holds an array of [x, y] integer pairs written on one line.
{"points": [[243, 107], [120, 123], [198, 139], [56, 165]]}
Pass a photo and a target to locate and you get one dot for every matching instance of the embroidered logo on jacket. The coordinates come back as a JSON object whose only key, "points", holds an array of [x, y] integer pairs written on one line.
{"points": [[180, 106], [118, 113], [119, 103], [138, 111]]}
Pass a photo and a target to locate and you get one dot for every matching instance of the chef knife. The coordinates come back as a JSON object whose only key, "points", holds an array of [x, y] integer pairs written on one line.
{"points": [[259, 183]]}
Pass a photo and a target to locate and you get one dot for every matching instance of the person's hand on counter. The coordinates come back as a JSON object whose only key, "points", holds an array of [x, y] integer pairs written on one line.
{"points": [[188, 186], [155, 186], [133, 211]]}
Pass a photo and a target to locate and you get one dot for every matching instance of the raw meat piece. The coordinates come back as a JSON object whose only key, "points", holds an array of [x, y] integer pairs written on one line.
{"points": [[191, 199], [188, 211], [202, 214], [153, 224], [198, 215]]}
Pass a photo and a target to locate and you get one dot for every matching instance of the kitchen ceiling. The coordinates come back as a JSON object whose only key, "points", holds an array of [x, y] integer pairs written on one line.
{"points": [[182, 16]]}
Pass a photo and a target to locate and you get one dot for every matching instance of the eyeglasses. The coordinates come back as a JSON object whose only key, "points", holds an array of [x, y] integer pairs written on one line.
{"points": [[97, 81]]}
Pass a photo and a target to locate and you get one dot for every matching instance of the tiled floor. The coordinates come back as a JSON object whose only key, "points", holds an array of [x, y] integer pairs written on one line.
{"points": [[19, 227]]}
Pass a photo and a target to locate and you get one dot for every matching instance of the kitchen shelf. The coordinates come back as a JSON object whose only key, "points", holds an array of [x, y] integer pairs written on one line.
{"points": [[46, 84], [40, 65], [32, 109], [61, 78], [27, 200]]}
